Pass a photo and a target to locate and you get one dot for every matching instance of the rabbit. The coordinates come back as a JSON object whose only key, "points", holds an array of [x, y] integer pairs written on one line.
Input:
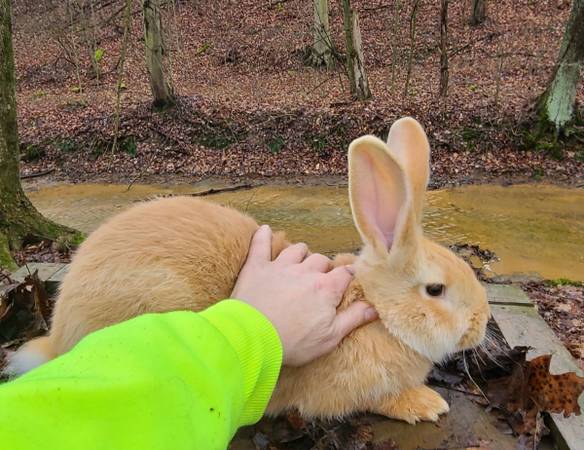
{"points": [[185, 254]]}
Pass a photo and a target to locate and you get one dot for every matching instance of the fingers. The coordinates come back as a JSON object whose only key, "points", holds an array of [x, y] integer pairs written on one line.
{"points": [[357, 314], [318, 263], [260, 250], [294, 254], [338, 280]]}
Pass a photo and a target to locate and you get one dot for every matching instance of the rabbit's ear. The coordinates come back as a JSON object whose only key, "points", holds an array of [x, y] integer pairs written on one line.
{"points": [[377, 191], [407, 141]]}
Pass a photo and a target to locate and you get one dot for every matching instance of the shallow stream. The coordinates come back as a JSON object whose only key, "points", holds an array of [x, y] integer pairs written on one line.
{"points": [[532, 228]]}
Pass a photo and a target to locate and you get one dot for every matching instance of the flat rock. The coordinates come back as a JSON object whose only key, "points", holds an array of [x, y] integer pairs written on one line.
{"points": [[45, 270], [51, 273], [507, 294]]}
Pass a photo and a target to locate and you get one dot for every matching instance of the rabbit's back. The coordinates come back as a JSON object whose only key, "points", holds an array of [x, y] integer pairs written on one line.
{"points": [[164, 255]]}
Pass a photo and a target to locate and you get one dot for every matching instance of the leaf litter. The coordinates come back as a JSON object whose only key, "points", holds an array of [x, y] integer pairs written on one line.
{"points": [[25, 311], [248, 106]]}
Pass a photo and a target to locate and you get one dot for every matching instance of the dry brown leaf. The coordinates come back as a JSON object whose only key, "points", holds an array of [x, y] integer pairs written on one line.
{"points": [[529, 390], [554, 393], [24, 309]]}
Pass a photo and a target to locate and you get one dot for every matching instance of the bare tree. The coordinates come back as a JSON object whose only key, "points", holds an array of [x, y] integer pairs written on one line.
{"points": [[413, 14], [444, 48], [322, 47], [162, 91], [19, 219], [395, 40], [556, 104], [121, 65], [355, 64], [478, 11]]}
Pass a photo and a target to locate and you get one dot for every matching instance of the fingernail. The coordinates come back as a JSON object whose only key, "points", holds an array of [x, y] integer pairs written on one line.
{"points": [[371, 314], [350, 269], [265, 227]]}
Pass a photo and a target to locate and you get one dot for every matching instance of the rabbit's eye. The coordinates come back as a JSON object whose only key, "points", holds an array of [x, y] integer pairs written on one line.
{"points": [[435, 290]]}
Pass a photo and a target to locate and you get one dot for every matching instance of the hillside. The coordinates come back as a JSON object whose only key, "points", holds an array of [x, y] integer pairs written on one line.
{"points": [[249, 106]]}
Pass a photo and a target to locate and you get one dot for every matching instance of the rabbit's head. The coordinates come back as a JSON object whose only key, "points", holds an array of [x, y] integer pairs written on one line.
{"points": [[425, 295]]}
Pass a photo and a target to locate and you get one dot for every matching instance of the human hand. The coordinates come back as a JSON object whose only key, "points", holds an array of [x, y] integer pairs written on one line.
{"points": [[300, 297]]}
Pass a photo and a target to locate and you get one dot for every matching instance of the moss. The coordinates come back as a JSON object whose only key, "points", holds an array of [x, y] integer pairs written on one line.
{"points": [[128, 145], [216, 140], [6, 261], [564, 282], [276, 144], [320, 144], [472, 136], [537, 173], [32, 153], [66, 145]]}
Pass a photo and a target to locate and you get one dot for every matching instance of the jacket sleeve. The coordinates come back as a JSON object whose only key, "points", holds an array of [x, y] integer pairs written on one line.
{"points": [[178, 380]]}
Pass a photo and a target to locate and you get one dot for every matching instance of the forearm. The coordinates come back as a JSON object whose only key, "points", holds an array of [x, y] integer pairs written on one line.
{"points": [[178, 380]]}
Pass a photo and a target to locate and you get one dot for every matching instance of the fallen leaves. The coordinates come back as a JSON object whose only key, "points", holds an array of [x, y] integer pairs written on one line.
{"points": [[291, 432], [24, 310], [553, 393], [527, 389], [44, 251], [562, 307], [265, 113]]}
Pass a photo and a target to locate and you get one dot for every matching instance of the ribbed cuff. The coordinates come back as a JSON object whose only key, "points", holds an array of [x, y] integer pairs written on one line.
{"points": [[258, 346]]}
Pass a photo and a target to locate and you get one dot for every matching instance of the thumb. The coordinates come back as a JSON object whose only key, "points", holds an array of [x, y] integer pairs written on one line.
{"points": [[357, 314], [260, 250]]}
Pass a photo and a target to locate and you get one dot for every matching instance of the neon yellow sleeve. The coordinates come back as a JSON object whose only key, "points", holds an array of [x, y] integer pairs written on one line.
{"points": [[172, 381]]}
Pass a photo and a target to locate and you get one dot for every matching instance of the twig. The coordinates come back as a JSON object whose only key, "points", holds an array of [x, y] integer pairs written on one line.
{"points": [[464, 391], [37, 174], [276, 3], [321, 83], [375, 8], [239, 187], [468, 44]]}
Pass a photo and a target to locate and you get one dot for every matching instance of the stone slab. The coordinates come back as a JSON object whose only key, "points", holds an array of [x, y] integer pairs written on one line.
{"points": [[46, 270], [467, 425], [51, 273], [507, 294], [59, 275]]}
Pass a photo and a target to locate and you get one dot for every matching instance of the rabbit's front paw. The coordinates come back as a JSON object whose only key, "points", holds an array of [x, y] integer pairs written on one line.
{"points": [[414, 405]]}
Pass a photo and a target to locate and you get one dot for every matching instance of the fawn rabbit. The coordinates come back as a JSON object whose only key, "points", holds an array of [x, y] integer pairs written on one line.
{"points": [[185, 254]]}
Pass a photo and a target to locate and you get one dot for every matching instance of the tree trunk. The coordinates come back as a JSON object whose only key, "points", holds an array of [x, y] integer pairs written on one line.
{"points": [[322, 54], [162, 93], [415, 6], [444, 48], [355, 63], [556, 105], [479, 12], [395, 41], [19, 220]]}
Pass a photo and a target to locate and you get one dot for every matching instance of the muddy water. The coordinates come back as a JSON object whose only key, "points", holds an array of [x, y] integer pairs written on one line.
{"points": [[532, 228]]}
